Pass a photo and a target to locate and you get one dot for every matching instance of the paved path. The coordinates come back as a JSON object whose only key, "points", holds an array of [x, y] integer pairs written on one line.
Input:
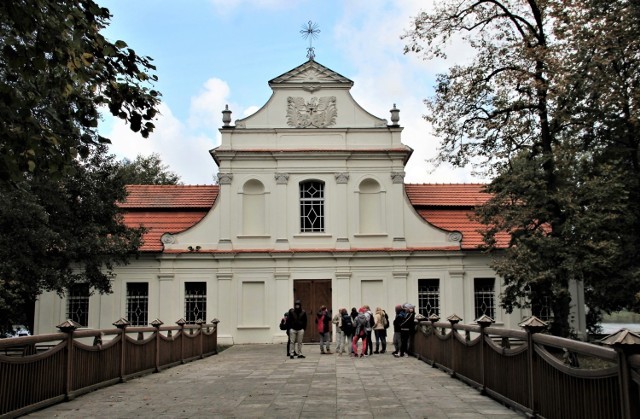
{"points": [[249, 381]]}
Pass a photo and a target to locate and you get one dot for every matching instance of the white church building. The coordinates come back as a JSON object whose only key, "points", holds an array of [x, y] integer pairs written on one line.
{"points": [[310, 204]]}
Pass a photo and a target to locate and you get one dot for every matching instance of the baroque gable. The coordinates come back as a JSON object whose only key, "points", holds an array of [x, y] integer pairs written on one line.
{"points": [[311, 75]]}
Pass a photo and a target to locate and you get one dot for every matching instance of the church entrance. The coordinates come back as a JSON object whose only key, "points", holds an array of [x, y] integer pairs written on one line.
{"points": [[312, 293]]}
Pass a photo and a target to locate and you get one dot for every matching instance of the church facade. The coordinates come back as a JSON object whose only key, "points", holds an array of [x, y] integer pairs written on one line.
{"points": [[310, 204]]}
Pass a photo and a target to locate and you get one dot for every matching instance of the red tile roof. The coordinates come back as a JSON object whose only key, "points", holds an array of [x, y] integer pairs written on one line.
{"points": [[166, 209], [159, 222], [455, 194], [174, 208], [450, 207], [170, 196]]}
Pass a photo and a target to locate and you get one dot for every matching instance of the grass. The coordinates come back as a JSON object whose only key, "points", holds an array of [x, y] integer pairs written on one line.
{"points": [[622, 317]]}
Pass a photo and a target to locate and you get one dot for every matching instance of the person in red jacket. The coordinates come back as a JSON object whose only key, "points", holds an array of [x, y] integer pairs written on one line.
{"points": [[323, 321]]}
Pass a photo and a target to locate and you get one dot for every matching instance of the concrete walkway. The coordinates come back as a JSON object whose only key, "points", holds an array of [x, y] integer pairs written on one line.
{"points": [[249, 381]]}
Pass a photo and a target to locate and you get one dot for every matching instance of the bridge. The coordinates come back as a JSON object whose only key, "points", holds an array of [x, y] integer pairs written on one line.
{"points": [[468, 371]]}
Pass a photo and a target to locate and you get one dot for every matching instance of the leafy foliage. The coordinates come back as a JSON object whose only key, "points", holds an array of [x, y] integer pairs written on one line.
{"points": [[59, 222], [549, 108], [57, 72], [59, 231], [147, 170]]}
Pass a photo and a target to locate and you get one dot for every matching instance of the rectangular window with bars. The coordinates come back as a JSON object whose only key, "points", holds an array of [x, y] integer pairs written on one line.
{"points": [[429, 297], [312, 207], [195, 301], [138, 303], [484, 295], [78, 304]]}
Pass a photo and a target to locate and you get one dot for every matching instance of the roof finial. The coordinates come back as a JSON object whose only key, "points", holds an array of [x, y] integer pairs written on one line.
{"points": [[311, 31]]}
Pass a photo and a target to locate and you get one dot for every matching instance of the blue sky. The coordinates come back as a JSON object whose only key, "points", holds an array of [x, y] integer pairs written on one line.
{"points": [[210, 53]]}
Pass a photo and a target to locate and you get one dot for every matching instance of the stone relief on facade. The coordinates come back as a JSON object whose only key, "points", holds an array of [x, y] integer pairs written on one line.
{"points": [[342, 177], [311, 87], [168, 238], [281, 178], [316, 113], [455, 236], [397, 177], [225, 178]]}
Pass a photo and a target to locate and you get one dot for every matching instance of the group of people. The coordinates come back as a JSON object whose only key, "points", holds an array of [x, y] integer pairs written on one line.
{"points": [[353, 327]]}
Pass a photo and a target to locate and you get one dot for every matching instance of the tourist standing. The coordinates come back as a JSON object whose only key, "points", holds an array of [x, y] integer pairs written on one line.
{"points": [[323, 322], [406, 329], [379, 330], [360, 324], [346, 324], [297, 325], [284, 325], [370, 324], [397, 321], [337, 320]]}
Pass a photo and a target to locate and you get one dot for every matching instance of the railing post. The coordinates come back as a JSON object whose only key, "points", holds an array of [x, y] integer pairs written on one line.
{"points": [[200, 322], [433, 318], [181, 323], [453, 319], [215, 334], [68, 327], [156, 325], [625, 343], [484, 321], [532, 326], [122, 324]]}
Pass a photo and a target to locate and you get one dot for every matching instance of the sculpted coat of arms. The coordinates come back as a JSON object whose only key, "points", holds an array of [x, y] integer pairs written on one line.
{"points": [[316, 113]]}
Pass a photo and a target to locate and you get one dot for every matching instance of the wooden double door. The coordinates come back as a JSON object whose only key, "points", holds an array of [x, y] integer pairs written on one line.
{"points": [[312, 293]]}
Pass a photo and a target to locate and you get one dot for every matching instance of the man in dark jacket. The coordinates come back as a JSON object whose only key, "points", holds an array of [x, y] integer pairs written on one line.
{"points": [[297, 324], [396, 328], [407, 327]]}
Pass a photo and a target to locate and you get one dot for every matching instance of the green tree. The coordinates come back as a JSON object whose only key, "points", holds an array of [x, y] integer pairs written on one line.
{"points": [[58, 231], [57, 71], [522, 112], [601, 80], [147, 170], [59, 223]]}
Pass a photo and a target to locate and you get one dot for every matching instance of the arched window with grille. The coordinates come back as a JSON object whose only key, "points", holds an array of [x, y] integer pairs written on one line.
{"points": [[312, 206]]}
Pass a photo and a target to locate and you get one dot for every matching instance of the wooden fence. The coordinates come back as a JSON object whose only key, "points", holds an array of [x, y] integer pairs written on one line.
{"points": [[38, 371], [538, 374]]}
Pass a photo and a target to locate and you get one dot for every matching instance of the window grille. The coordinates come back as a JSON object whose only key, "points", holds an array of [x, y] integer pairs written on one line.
{"points": [[484, 297], [78, 304], [429, 297], [195, 301], [542, 309], [312, 207], [138, 303]]}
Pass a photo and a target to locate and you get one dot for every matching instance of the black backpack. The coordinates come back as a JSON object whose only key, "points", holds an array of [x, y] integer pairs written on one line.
{"points": [[385, 320], [347, 325]]}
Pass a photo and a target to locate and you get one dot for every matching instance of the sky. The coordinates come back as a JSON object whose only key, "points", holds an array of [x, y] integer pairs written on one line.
{"points": [[210, 53]]}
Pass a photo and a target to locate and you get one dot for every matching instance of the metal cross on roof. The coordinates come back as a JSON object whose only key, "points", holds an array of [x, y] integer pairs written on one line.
{"points": [[311, 31]]}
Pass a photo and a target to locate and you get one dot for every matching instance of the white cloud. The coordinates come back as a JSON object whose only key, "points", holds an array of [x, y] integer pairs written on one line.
{"points": [[370, 34], [226, 7], [206, 107], [185, 152]]}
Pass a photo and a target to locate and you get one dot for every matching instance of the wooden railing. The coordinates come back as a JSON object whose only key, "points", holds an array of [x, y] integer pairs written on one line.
{"points": [[538, 374], [38, 371]]}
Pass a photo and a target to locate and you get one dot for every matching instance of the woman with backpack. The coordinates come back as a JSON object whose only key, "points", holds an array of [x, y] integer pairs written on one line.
{"points": [[361, 323], [346, 325], [380, 330]]}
